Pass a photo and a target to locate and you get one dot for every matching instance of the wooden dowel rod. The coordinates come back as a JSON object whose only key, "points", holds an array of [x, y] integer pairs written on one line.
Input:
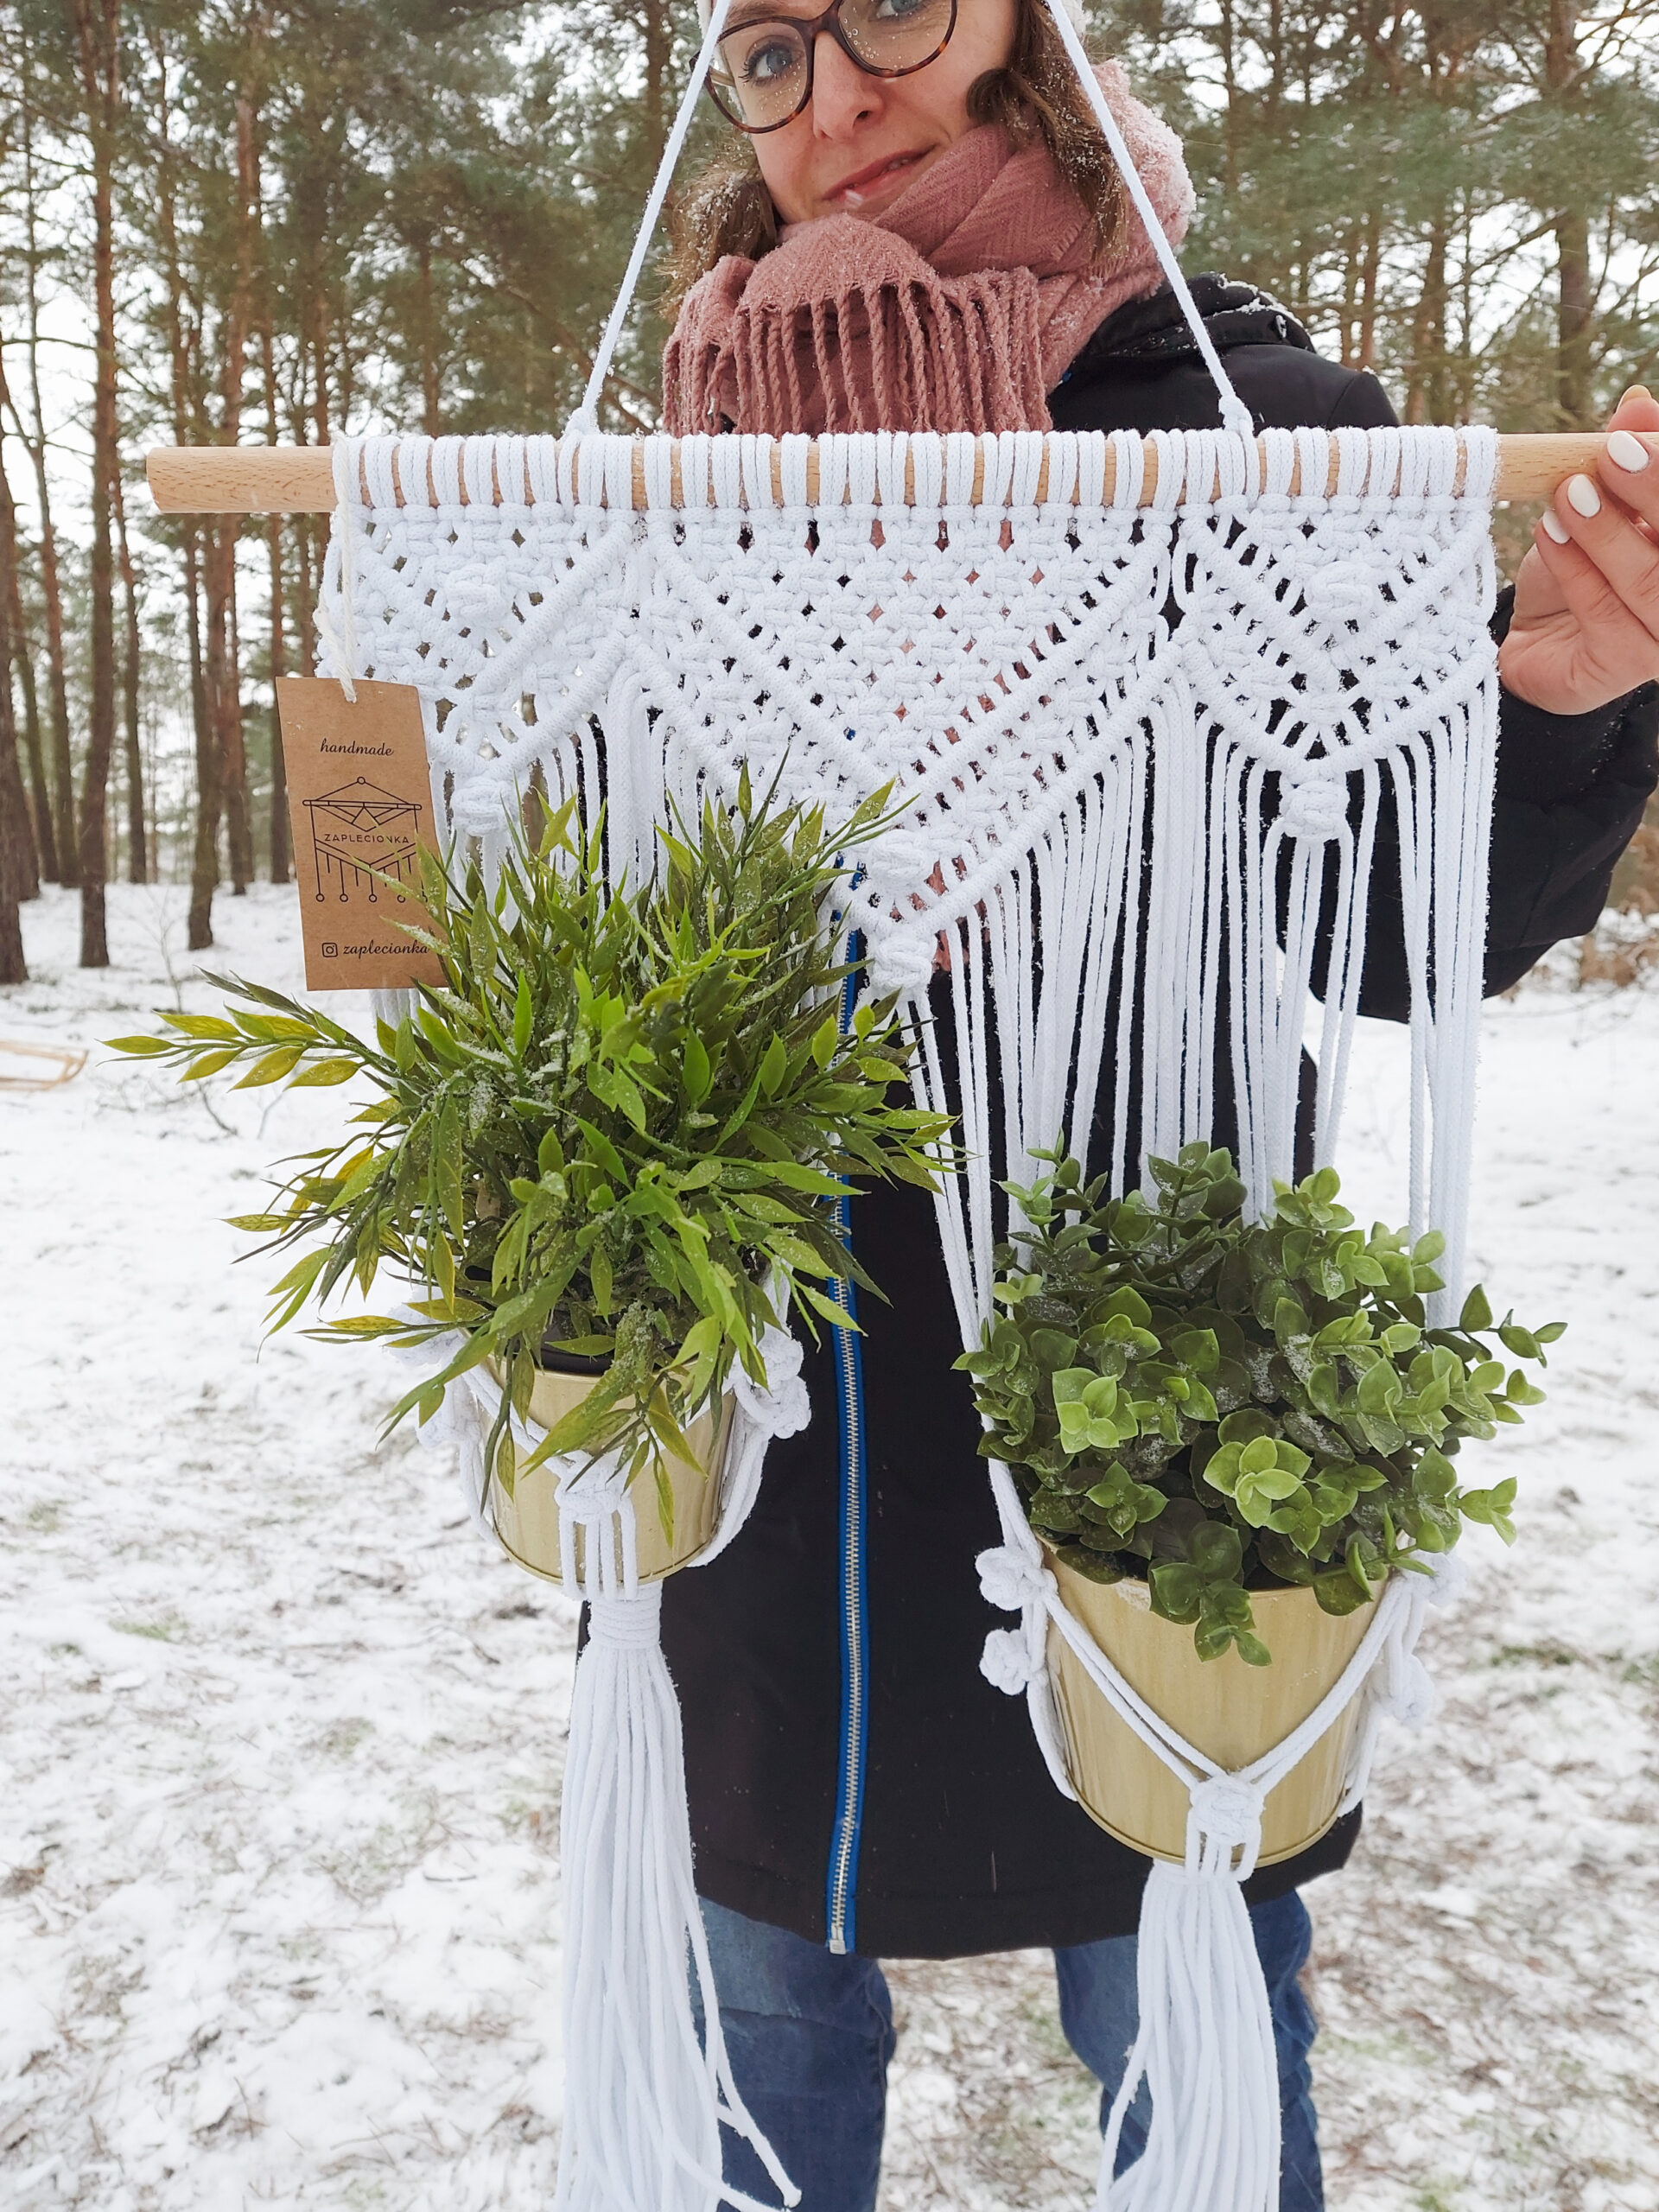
{"points": [[241, 479], [300, 480]]}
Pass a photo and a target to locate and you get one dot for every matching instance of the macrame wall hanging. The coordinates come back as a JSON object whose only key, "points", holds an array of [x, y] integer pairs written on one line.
{"points": [[1148, 701], [1077, 677]]}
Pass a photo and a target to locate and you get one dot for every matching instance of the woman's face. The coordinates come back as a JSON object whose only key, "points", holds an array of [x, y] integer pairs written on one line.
{"points": [[861, 140]]}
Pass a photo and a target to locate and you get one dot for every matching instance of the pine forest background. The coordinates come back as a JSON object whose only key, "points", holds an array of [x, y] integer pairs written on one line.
{"points": [[246, 220]]}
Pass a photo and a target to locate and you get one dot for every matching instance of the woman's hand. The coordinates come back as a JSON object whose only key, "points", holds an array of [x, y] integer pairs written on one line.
{"points": [[1586, 629]]}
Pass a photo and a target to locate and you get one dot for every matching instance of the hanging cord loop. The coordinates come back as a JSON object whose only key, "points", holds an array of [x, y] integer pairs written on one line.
{"points": [[585, 421], [340, 644], [1235, 417]]}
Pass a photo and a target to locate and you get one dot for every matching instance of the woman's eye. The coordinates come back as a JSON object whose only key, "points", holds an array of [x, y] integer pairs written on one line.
{"points": [[769, 59], [896, 11]]}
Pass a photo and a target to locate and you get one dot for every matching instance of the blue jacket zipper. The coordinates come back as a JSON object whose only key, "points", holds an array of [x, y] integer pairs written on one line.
{"points": [[841, 1902]]}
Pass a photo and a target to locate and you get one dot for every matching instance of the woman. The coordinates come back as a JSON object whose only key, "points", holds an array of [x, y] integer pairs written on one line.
{"points": [[921, 230]]}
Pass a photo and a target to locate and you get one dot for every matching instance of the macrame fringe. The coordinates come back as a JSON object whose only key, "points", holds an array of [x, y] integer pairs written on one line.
{"points": [[648, 2083], [1205, 2045], [646, 2097]]}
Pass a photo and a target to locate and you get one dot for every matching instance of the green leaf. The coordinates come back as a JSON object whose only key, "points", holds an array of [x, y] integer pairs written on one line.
{"points": [[797, 1254], [322, 1073], [141, 1047], [211, 1028], [604, 1152], [774, 1065], [837, 1316], [1477, 1311], [524, 1016], [696, 1078], [270, 1067], [207, 1063]]}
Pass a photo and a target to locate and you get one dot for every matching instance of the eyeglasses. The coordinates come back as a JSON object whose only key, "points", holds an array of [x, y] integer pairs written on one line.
{"points": [[763, 77]]}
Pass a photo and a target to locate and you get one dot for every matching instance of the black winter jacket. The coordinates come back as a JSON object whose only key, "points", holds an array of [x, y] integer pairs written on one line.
{"points": [[939, 1834]]}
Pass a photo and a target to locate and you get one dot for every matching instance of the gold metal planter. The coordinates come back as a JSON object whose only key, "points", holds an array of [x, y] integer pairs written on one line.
{"points": [[1233, 1713], [527, 1523]]}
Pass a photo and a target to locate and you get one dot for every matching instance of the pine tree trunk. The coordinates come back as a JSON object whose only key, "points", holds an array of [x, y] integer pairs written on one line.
{"points": [[63, 773], [98, 40], [225, 700], [1575, 313], [13, 969], [204, 860], [42, 845], [1365, 355], [428, 345], [1426, 398], [63, 778], [17, 860], [133, 752], [204, 857], [280, 864], [659, 54], [46, 843], [19, 876], [224, 673]]}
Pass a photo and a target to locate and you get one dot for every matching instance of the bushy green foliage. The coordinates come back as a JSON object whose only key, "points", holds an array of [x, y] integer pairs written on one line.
{"points": [[616, 1116], [1220, 1405]]}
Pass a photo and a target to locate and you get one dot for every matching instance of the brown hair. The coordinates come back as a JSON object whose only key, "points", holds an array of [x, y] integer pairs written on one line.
{"points": [[727, 209]]}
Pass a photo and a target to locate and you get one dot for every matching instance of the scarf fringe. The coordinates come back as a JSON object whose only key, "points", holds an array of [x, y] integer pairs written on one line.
{"points": [[959, 355]]}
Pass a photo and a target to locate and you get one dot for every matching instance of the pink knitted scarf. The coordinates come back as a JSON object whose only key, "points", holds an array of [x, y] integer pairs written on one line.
{"points": [[957, 309]]}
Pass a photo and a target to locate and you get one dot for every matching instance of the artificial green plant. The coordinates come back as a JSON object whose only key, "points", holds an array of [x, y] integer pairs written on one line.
{"points": [[1221, 1404], [616, 1126]]}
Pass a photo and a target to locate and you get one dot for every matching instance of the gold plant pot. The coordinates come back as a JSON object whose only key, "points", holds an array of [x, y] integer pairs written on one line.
{"points": [[1232, 1712], [527, 1523]]}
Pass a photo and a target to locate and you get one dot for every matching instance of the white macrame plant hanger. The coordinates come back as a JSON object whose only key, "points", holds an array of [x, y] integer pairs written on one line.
{"points": [[1145, 749]]}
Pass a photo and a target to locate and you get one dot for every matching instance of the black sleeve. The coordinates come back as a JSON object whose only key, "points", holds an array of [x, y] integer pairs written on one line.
{"points": [[1571, 792]]}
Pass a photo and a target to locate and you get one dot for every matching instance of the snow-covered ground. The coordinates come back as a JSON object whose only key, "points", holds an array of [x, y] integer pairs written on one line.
{"points": [[281, 1739]]}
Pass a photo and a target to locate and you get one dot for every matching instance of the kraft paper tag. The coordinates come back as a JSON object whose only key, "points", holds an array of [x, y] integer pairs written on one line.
{"points": [[360, 803]]}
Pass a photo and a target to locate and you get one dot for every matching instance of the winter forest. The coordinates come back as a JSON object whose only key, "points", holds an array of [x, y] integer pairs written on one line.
{"points": [[231, 223]]}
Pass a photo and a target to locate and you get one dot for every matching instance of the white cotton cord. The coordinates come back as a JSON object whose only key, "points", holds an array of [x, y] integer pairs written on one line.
{"points": [[645, 2095], [1235, 417], [337, 643], [586, 419], [645, 2099], [1205, 2048]]}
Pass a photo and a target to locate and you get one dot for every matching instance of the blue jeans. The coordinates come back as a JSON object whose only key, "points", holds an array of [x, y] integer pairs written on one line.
{"points": [[810, 2036]]}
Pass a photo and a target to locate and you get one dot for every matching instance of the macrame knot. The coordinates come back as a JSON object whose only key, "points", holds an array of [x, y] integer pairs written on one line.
{"points": [[783, 1406], [476, 808], [1316, 808], [1011, 1579], [590, 1491], [901, 965], [627, 1624], [1412, 1698], [1449, 1580], [1224, 1828], [1007, 1662]]}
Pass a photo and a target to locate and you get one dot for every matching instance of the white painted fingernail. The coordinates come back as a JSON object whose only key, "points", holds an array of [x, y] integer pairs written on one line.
{"points": [[1557, 529], [1627, 453], [1584, 496]]}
